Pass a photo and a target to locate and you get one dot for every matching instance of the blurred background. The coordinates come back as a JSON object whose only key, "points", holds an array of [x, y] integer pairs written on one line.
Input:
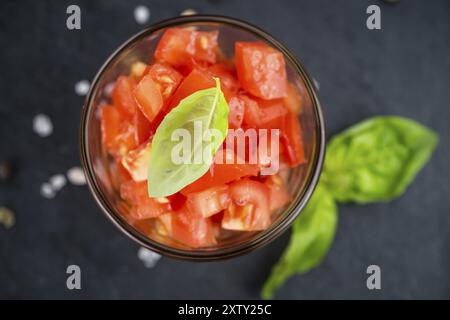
{"points": [[402, 69]]}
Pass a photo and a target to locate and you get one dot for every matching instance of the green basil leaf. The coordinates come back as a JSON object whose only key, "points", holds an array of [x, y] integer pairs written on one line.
{"points": [[312, 234], [376, 159], [206, 110]]}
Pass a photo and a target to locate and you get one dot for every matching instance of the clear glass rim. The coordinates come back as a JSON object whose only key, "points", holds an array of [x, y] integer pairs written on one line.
{"points": [[263, 237]]}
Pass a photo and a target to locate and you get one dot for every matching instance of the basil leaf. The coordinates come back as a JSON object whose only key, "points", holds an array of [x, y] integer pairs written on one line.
{"points": [[376, 159], [206, 110], [312, 234]]}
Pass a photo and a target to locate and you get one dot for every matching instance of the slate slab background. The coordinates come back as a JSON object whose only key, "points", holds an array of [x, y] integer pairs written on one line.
{"points": [[404, 69]]}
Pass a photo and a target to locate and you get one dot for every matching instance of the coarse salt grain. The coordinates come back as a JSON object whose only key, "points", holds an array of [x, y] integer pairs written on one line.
{"points": [[47, 190], [141, 14], [149, 258], [42, 125], [58, 181], [76, 176], [82, 87]]}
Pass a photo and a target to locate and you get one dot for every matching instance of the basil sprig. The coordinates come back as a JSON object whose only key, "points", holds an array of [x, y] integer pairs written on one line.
{"points": [[205, 111], [372, 161]]}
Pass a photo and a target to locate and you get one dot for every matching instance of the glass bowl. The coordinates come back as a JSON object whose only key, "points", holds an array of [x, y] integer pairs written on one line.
{"points": [[102, 178]]}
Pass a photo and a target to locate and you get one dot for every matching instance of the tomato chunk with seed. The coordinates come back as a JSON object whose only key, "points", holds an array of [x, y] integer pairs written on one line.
{"points": [[236, 114], [136, 161], [117, 134], [210, 201], [261, 70], [196, 80], [143, 207], [192, 230], [278, 194], [292, 140], [122, 96], [166, 77], [178, 46], [206, 46], [250, 210], [148, 97]]}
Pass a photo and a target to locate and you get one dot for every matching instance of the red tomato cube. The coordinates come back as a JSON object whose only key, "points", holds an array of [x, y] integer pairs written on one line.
{"points": [[278, 194], [167, 78], [122, 96], [261, 70], [250, 209], [148, 97], [209, 202], [236, 114], [143, 207], [292, 140], [192, 230], [196, 80], [178, 46]]}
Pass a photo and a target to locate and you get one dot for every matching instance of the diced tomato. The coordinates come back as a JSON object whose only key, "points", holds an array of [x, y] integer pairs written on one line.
{"points": [[236, 114], [272, 111], [252, 112], [210, 201], [178, 45], [217, 218], [278, 196], [136, 161], [143, 226], [177, 200], [196, 80], [192, 230], [143, 207], [122, 173], [167, 78], [206, 46], [292, 140], [250, 210], [226, 76], [125, 140], [142, 127], [110, 125], [268, 114], [163, 224], [148, 97], [117, 134], [122, 96], [219, 174], [261, 70], [293, 100]]}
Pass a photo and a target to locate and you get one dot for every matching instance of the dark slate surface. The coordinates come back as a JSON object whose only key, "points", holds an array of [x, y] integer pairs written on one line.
{"points": [[403, 69]]}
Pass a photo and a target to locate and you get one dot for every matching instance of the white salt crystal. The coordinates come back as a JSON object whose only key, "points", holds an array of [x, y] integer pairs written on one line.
{"points": [[76, 176], [149, 258], [141, 14], [82, 87], [58, 181], [47, 190], [42, 125]]}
